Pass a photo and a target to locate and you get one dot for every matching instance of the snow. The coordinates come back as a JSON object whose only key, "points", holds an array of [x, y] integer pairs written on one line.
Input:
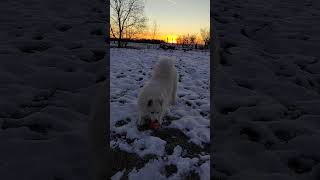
{"points": [[144, 146], [268, 93], [195, 128], [130, 69], [48, 72], [152, 169], [267, 124], [118, 175]]}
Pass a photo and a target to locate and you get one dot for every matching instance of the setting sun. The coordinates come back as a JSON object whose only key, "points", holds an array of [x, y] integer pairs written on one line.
{"points": [[171, 38]]}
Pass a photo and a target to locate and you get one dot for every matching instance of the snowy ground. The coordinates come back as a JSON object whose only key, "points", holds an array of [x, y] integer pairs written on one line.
{"points": [[50, 53], [180, 149], [268, 100]]}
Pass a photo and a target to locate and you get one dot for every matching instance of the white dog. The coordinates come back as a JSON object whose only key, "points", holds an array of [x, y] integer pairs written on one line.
{"points": [[157, 94]]}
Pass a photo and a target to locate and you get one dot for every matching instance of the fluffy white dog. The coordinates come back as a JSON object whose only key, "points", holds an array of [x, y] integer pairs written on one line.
{"points": [[158, 93]]}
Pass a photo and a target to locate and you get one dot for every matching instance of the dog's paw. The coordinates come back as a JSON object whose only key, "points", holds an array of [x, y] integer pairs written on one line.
{"points": [[139, 122], [143, 127]]}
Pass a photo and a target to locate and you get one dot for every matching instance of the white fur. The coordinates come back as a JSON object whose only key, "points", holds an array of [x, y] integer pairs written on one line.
{"points": [[160, 89]]}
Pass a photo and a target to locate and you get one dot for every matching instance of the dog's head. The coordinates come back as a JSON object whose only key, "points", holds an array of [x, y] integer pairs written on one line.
{"points": [[152, 110]]}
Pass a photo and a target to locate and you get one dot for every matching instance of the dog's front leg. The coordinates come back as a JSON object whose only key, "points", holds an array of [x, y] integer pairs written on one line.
{"points": [[161, 117], [140, 120]]}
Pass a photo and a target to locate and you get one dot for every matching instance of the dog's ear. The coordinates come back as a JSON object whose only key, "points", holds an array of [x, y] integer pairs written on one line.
{"points": [[150, 102]]}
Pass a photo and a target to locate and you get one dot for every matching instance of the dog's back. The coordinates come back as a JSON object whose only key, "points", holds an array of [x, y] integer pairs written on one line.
{"points": [[164, 67]]}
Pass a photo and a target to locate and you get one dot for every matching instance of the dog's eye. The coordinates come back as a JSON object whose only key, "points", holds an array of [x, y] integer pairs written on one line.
{"points": [[152, 112]]}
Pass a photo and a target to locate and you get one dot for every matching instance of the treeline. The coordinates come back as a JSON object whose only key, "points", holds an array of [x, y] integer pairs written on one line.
{"points": [[150, 41]]}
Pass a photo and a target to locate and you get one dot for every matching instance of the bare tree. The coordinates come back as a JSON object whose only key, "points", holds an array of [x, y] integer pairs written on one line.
{"points": [[179, 39], [205, 35], [185, 39], [192, 39], [154, 29], [130, 33], [127, 18]]}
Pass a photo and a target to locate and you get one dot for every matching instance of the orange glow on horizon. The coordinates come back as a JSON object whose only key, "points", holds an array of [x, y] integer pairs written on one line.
{"points": [[166, 37], [170, 38]]}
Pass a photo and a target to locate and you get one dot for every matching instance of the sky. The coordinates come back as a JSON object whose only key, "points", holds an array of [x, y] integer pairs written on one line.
{"points": [[175, 17]]}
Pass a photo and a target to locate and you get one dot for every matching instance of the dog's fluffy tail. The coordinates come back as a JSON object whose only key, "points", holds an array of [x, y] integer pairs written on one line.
{"points": [[166, 61], [164, 65]]}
